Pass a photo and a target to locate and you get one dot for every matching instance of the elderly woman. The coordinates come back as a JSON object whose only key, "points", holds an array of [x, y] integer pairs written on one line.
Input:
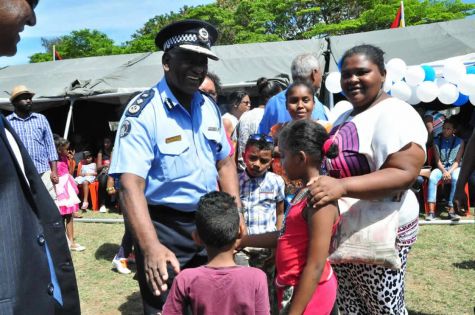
{"points": [[380, 143]]}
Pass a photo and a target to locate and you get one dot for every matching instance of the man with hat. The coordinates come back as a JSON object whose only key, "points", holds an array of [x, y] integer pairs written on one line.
{"points": [[36, 269], [35, 134], [171, 149]]}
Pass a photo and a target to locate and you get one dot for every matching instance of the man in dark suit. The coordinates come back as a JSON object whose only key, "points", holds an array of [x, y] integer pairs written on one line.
{"points": [[36, 269]]}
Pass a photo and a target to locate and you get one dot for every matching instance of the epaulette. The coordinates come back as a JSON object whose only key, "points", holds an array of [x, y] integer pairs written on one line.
{"points": [[139, 104]]}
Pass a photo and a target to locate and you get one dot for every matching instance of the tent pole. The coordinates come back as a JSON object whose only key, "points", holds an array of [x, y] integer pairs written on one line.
{"points": [[68, 119]]}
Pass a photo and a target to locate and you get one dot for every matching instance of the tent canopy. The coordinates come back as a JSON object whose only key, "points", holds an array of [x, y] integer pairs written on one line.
{"points": [[113, 79]]}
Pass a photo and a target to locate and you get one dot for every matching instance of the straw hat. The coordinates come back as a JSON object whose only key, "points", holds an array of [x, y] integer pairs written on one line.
{"points": [[19, 90]]}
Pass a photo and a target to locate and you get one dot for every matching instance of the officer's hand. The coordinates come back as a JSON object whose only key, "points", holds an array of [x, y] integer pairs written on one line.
{"points": [[155, 266]]}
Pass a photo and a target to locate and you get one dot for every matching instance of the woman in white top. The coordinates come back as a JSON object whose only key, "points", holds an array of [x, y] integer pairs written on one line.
{"points": [[381, 149], [239, 103]]}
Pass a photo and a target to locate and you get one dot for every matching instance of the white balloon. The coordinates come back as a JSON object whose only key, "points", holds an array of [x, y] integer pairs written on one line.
{"points": [[414, 75], [388, 83], [453, 71], [413, 100], [471, 98], [427, 91], [332, 82], [339, 108], [441, 81], [448, 93], [467, 84], [397, 67], [401, 90]]}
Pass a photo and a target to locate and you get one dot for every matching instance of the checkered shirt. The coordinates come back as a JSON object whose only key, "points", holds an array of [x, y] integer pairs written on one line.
{"points": [[35, 134], [259, 196]]}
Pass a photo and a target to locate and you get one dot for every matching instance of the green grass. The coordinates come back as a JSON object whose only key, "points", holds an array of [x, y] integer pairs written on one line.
{"points": [[440, 277]]}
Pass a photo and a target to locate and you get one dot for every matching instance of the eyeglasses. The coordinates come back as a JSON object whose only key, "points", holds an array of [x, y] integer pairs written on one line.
{"points": [[260, 137]]}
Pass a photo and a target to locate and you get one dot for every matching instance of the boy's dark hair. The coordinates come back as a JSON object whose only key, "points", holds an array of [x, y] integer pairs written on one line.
{"points": [[373, 53], [86, 154], [304, 135], [260, 143], [217, 219]]}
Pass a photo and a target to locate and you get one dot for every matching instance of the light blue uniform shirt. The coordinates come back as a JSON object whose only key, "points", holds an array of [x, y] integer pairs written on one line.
{"points": [[276, 112], [174, 152]]}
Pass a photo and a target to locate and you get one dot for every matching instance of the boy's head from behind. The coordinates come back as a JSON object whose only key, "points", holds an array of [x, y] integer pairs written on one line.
{"points": [[217, 220], [258, 154]]}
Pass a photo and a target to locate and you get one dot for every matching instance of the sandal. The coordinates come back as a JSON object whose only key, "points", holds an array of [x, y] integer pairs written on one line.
{"points": [[77, 247]]}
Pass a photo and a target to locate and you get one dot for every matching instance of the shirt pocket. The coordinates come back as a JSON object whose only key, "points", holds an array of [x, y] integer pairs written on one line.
{"points": [[174, 159], [37, 135], [213, 138]]}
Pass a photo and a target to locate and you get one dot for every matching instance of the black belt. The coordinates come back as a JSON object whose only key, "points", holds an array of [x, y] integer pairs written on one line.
{"points": [[157, 211]]}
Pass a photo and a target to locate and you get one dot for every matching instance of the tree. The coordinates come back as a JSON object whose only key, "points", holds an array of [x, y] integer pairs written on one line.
{"points": [[247, 21], [82, 43]]}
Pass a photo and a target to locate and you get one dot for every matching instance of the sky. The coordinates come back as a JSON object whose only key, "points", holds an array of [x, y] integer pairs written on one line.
{"points": [[119, 19]]}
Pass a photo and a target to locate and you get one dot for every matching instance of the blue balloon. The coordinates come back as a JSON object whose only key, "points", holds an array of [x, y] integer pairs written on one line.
{"points": [[430, 73], [471, 70], [463, 99]]}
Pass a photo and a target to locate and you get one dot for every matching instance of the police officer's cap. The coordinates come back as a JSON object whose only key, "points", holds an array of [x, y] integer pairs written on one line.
{"points": [[192, 35]]}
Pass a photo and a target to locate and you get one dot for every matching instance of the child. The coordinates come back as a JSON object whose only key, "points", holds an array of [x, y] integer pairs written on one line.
{"points": [[220, 287], [262, 196], [87, 176], [305, 281], [448, 152], [66, 193]]}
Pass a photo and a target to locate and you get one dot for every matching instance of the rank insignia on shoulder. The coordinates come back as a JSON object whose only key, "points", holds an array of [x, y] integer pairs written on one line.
{"points": [[139, 104]]}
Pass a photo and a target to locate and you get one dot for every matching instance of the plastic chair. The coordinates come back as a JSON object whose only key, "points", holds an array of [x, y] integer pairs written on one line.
{"points": [[93, 191], [441, 182]]}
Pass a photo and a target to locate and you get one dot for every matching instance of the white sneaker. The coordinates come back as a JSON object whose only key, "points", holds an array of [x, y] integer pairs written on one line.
{"points": [[120, 264], [103, 209]]}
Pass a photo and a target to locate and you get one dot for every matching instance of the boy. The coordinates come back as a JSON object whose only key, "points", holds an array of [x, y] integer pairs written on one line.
{"points": [[220, 287], [262, 195]]}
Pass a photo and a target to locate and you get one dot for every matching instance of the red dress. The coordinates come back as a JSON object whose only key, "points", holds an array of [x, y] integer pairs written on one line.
{"points": [[291, 257]]}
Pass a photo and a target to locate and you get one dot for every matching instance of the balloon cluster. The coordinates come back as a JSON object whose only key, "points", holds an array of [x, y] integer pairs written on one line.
{"points": [[414, 84]]}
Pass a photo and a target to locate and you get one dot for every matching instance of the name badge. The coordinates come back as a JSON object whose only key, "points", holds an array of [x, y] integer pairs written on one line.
{"points": [[173, 139], [212, 129]]}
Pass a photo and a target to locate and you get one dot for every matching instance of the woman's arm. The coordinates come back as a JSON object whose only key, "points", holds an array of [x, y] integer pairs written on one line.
{"points": [[397, 174], [320, 225]]}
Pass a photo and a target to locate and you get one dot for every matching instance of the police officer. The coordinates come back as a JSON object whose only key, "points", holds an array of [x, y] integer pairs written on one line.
{"points": [[171, 149]]}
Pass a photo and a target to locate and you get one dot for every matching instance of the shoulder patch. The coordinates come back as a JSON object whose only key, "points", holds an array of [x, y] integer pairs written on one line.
{"points": [[139, 104], [125, 128]]}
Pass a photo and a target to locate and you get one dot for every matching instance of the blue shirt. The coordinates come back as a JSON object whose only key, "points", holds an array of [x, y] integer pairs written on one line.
{"points": [[259, 196], [175, 152], [276, 112], [35, 134]]}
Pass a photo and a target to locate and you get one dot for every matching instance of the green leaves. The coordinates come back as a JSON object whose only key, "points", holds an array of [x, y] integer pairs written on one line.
{"points": [[248, 21]]}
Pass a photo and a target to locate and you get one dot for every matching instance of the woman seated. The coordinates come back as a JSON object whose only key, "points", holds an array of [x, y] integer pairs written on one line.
{"points": [[88, 175], [448, 152]]}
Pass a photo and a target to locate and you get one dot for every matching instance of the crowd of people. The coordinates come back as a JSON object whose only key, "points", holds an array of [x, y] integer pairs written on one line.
{"points": [[224, 214]]}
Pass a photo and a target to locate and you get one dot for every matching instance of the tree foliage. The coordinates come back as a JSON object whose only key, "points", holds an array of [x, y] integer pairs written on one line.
{"points": [[246, 21]]}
